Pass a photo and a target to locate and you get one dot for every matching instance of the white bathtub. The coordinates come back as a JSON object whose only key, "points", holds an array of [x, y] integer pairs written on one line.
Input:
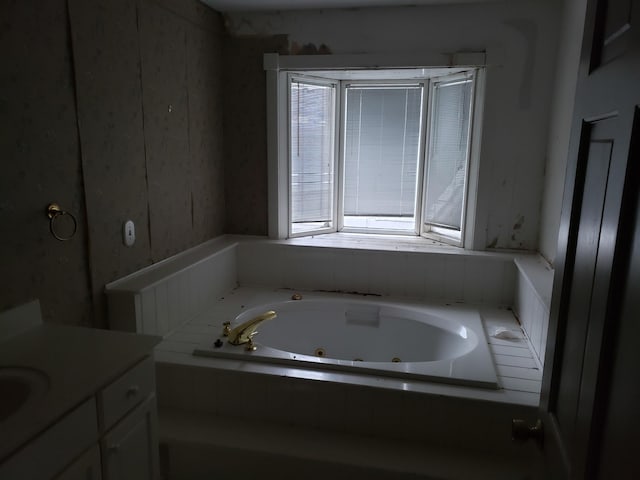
{"points": [[368, 336]]}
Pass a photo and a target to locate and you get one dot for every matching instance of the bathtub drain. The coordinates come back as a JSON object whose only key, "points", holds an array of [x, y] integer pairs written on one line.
{"points": [[319, 352]]}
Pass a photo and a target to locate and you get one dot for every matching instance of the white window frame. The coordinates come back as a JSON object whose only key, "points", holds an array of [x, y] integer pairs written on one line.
{"points": [[424, 85], [277, 69], [437, 232], [310, 79]]}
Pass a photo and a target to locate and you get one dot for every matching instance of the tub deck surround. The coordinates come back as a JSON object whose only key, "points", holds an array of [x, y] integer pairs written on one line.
{"points": [[381, 266], [532, 300], [235, 402], [161, 297], [178, 298], [519, 376], [209, 407], [373, 336], [256, 270]]}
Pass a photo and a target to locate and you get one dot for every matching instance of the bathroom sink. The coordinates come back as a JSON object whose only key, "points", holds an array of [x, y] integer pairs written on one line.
{"points": [[20, 388]]}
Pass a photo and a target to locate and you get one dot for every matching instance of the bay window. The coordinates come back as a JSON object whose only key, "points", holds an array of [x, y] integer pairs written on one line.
{"points": [[377, 151]]}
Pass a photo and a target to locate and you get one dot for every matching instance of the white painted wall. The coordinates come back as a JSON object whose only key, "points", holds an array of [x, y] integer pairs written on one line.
{"points": [[521, 45], [569, 46]]}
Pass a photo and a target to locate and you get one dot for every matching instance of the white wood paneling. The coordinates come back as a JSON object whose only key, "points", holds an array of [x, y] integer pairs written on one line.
{"points": [[160, 298], [534, 279], [379, 266]]}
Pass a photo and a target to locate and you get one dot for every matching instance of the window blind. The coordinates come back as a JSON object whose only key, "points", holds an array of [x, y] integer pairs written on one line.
{"points": [[382, 143], [448, 152], [312, 153]]}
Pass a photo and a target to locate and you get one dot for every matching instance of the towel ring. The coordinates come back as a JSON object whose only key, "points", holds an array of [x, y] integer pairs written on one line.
{"points": [[53, 212]]}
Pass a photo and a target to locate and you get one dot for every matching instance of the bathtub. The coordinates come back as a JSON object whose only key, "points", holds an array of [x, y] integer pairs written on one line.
{"points": [[368, 336]]}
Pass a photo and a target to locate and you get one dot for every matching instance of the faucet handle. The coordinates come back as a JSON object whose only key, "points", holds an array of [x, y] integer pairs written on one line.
{"points": [[227, 329], [250, 346]]}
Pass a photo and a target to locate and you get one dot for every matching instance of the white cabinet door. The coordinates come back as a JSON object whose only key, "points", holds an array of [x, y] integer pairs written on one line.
{"points": [[86, 467], [130, 449]]}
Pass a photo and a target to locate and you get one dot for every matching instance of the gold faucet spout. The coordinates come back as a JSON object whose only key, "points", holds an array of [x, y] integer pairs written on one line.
{"points": [[245, 331]]}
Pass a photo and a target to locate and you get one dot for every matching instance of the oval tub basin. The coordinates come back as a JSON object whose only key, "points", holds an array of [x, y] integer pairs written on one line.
{"points": [[371, 337]]}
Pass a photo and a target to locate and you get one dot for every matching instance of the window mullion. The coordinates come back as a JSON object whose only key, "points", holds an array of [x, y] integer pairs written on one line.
{"points": [[340, 147], [422, 165]]}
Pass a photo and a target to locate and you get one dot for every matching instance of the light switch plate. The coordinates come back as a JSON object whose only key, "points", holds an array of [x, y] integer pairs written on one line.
{"points": [[129, 233]]}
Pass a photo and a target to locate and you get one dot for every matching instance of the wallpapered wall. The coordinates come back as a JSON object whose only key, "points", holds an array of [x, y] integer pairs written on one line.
{"points": [[245, 130], [111, 108], [40, 162]]}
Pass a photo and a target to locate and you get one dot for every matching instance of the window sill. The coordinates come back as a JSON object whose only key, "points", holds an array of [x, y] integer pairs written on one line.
{"points": [[379, 242]]}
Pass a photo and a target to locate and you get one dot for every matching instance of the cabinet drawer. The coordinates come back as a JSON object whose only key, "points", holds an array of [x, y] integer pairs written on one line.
{"points": [[127, 392]]}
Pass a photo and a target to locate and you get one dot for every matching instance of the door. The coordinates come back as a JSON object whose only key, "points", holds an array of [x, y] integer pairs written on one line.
{"points": [[587, 371]]}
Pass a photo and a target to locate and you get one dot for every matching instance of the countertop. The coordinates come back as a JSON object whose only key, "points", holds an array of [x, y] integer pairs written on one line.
{"points": [[78, 362]]}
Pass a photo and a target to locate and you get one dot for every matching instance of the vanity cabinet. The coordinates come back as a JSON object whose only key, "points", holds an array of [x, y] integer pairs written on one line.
{"points": [[129, 446], [86, 467], [111, 436], [130, 450]]}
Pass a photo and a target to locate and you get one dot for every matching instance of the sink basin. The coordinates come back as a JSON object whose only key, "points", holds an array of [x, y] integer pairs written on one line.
{"points": [[20, 388]]}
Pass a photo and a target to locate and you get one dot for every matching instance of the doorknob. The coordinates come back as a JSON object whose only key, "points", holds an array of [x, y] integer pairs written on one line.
{"points": [[521, 431]]}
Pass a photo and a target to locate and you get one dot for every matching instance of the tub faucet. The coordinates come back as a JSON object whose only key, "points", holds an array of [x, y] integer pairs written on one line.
{"points": [[243, 333]]}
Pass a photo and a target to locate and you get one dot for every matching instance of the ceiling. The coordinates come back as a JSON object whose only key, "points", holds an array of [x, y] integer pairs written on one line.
{"points": [[267, 5]]}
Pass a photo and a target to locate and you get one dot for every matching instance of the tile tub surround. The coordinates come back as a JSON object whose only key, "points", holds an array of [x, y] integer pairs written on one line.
{"points": [[518, 374], [394, 267], [157, 299], [311, 401], [532, 300], [160, 298], [208, 390]]}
